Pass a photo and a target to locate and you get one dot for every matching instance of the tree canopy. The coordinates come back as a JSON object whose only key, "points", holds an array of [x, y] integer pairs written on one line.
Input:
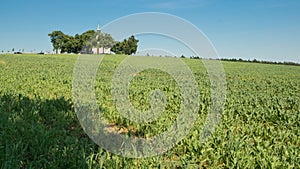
{"points": [[128, 46], [89, 39], [77, 43]]}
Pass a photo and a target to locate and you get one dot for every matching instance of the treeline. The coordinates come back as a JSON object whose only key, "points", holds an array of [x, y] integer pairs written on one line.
{"points": [[261, 61], [63, 43], [252, 61]]}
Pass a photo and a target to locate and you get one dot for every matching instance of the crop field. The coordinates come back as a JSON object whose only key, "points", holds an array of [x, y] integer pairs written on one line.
{"points": [[39, 128]]}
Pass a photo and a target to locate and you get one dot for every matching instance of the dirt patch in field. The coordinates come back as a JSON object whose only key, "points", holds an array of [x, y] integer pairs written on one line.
{"points": [[2, 62], [113, 128]]}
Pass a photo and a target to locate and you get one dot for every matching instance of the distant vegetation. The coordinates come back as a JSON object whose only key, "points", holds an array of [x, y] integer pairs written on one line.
{"points": [[75, 44], [63, 43], [253, 61], [261, 61]]}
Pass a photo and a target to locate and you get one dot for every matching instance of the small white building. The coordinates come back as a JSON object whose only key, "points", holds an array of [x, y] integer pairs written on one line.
{"points": [[100, 50]]}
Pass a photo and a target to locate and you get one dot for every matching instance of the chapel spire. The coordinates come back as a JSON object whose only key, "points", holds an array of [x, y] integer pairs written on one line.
{"points": [[99, 29]]}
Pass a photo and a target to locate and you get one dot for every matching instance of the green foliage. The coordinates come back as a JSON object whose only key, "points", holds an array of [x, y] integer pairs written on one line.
{"points": [[39, 128], [99, 40], [57, 38], [85, 38], [257, 61], [84, 42], [127, 47]]}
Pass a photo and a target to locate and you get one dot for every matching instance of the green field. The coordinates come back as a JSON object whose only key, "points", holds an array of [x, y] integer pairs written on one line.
{"points": [[39, 128]]}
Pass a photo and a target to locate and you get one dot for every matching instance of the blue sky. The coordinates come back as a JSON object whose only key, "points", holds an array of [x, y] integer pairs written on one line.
{"points": [[261, 29]]}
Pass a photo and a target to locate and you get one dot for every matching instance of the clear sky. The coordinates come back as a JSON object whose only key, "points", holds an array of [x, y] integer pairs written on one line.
{"points": [[261, 29]]}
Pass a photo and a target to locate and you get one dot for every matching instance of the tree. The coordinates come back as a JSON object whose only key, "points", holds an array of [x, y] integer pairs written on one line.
{"points": [[13, 49], [127, 47], [118, 48], [101, 40], [105, 40], [84, 40], [132, 45], [68, 44], [57, 40], [65, 43]]}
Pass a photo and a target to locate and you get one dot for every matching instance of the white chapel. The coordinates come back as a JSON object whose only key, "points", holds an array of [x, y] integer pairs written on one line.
{"points": [[100, 50]]}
